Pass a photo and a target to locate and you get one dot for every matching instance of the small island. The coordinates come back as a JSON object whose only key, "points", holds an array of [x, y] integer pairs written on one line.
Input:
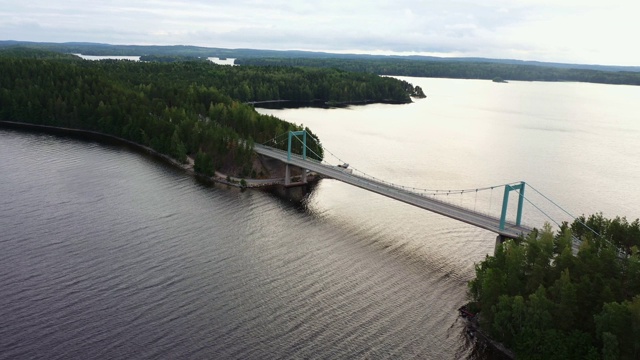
{"points": [[418, 93], [498, 79]]}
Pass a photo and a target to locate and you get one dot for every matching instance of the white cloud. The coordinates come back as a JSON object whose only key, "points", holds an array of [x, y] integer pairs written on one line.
{"points": [[548, 30]]}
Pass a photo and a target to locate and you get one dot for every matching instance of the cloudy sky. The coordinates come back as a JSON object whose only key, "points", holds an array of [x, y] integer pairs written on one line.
{"points": [[576, 31]]}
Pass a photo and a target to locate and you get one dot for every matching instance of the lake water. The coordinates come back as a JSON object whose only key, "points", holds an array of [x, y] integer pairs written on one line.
{"points": [[110, 57], [578, 144], [215, 60], [107, 253]]}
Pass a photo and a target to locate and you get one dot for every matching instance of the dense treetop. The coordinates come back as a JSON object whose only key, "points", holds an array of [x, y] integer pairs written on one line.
{"points": [[21, 52], [545, 300], [256, 83]]}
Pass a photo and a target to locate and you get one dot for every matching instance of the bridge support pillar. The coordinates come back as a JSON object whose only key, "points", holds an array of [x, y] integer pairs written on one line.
{"points": [[288, 169], [287, 175]]}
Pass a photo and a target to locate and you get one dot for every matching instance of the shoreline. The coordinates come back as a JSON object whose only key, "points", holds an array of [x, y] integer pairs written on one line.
{"points": [[106, 138], [474, 330], [322, 104]]}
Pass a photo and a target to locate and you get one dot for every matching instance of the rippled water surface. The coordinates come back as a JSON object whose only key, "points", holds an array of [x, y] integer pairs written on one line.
{"points": [[107, 253]]}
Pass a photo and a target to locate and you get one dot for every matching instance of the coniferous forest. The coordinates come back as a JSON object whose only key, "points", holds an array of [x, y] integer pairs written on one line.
{"points": [[179, 108], [547, 299]]}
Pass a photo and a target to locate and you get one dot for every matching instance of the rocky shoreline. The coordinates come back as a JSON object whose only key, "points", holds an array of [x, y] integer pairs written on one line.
{"points": [[106, 138], [474, 331]]}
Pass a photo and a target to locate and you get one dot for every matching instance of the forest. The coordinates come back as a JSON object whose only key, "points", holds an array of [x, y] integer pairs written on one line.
{"points": [[544, 299], [193, 108], [454, 69], [299, 84], [205, 52]]}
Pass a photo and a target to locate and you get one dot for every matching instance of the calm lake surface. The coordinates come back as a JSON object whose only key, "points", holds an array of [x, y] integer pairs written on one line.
{"points": [[215, 60], [107, 253]]}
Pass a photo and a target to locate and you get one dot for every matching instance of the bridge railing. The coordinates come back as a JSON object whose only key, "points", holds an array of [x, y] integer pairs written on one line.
{"points": [[383, 184]]}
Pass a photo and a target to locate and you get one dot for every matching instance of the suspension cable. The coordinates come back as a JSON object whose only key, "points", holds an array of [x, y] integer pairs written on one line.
{"points": [[559, 226], [440, 192], [274, 139], [433, 192], [534, 205], [551, 201]]}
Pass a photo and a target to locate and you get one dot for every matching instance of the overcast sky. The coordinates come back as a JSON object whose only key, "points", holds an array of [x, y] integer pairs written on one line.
{"points": [[576, 31]]}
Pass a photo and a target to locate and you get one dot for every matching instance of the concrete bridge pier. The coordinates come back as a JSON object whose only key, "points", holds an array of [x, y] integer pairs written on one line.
{"points": [[287, 176], [295, 193]]}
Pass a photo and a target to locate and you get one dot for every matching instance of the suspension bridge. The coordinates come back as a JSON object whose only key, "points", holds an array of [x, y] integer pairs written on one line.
{"points": [[422, 198]]}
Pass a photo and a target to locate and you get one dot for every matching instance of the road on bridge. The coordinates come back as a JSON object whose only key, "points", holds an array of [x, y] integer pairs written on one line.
{"points": [[452, 211]]}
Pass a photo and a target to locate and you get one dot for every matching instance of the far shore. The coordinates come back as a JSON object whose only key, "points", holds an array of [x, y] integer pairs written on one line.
{"points": [[98, 136], [294, 104]]}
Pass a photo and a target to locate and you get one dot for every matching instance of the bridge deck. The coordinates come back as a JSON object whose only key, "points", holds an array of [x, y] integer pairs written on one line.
{"points": [[452, 211]]}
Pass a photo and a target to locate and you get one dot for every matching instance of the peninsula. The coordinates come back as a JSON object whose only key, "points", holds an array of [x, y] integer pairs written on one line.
{"points": [[182, 109]]}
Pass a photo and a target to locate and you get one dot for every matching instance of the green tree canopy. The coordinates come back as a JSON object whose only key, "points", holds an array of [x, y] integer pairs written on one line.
{"points": [[547, 301]]}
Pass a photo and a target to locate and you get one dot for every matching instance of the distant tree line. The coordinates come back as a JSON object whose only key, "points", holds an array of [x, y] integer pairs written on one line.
{"points": [[453, 69], [97, 49], [205, 52], [545, 301], [35, 53]]}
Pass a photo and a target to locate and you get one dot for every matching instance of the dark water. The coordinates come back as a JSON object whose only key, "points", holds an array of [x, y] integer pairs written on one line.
{"points": [[105, 253]]}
